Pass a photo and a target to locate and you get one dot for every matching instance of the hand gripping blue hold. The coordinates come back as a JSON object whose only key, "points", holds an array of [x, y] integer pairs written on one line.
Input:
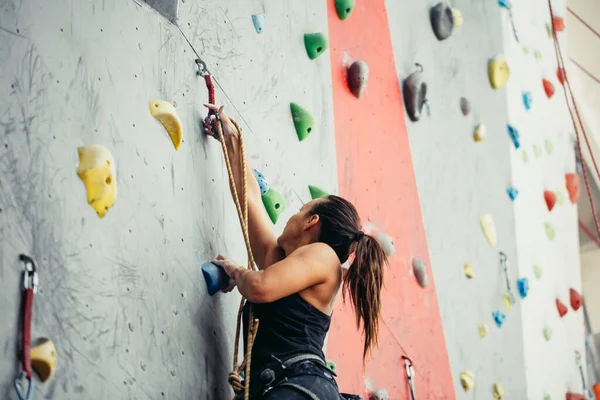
{"points": [[514, 135], [523, 286], [215, 277], [499, 317]]}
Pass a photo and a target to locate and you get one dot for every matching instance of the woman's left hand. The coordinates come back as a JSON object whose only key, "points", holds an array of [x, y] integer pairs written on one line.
{"points": [[229, 267]]}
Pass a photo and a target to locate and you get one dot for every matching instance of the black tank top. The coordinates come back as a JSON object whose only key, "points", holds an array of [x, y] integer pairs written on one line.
{"points": [[288, 327]]}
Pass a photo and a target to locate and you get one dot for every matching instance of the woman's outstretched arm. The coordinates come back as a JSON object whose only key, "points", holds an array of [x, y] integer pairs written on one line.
{"points": [[262, 238]]}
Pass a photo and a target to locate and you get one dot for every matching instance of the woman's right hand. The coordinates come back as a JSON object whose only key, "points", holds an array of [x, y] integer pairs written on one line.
{"points": [[210, 123]]}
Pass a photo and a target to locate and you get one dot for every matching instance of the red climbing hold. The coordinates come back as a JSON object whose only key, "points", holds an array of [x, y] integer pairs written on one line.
{"points": [[572, 183], [550, 198], [562, 309], [575, 299], [561, 74], [548, 88], [558, 23], [575, 396]]}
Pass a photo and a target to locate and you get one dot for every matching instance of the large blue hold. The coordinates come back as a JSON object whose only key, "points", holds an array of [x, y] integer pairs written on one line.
{"points": [[523, 286], [527, 100], [215, 277], [262, 182], [514, 135], [504, 4], [499, 317]]}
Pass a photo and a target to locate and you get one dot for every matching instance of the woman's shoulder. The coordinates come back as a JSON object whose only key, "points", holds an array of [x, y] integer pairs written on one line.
{"points": [[317, 253]]}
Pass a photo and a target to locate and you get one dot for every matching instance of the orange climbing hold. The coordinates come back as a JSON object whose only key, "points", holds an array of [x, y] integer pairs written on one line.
{"points": [[561, 74], [562, 309], [572, 183], [548, 88], [575, 299], [558, 23], [575, 396], [550, 198]]}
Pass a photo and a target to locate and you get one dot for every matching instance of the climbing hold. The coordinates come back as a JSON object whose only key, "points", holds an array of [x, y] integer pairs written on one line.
{"points": [[561, 75], [215, 277], [43, 358], [497, 391], [548, 88], [483, 330], [547, 334], [550, 199], [508, 301], [468, 271], [386, 242], [558, 23], [525, 50], [514, 135], [575, 299], [344, 8], [97, 171], [550, 232], [527, 99], [358, 75], [525, 157], [547, 397], [458, 18], [420, 272], [480, 133], [549, 30], [575, 396], [331, 365], [523, 287], [258, 20], [262, 182], [489, 228], [315, 44], [498, 72], [465, 106], [560, 198], [442, 20], [467, 380], [572, 183], [316, 192], [379, 394], [166, 114], [549, 146], [512, 193], [538, 55], [303, 121], [562, 309], [499, 317], [415, 93], [537, 151], [537, 271], [274, 204], [505, 4]]}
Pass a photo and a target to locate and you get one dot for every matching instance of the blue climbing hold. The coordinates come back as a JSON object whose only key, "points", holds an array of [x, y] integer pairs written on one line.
{"points": [[512, 193], [499, 317], [527, 99], [504, 4], [514, 135], [262, 182], [523, 286], [215, 277], [259, 21]]}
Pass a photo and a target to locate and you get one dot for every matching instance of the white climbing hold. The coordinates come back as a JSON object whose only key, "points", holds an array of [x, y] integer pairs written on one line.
{"points": [[420, 272], [385, 241], [379, 394], [97, 171]]}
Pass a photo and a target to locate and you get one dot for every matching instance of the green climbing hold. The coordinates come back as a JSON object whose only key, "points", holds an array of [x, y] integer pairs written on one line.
{"points": [[548, 334], [525, 157], [549, 30], [537, 54], [274, 204], [331, 365], [549, 146], [525, 50], [560, 198], [547, 397], [537, 271], [343, 8], [303, 121], [316, 192], [315, 43], [537, 151], [550, 232]]}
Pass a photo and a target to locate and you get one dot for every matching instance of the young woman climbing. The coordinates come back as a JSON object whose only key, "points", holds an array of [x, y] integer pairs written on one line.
{"points": [[298, 278]]}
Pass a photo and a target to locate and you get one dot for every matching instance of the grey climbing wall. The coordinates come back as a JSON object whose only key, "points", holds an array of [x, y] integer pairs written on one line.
{"points": [[458, 181], [122, 297]]}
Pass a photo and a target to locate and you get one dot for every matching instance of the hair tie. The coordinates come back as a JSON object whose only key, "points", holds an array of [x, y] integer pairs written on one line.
{"points": [[358, 235]]}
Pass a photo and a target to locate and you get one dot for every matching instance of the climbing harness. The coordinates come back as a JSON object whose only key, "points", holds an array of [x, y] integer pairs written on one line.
{"points": [[504, 265], [244, 368], [30, 284], [410, 376]]}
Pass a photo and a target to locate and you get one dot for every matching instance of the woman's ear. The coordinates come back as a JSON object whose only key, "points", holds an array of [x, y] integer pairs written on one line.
{"points": [[312, 220]]}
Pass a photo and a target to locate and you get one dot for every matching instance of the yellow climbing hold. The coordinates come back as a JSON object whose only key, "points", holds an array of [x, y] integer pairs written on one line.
{"points": [[537, 151], [483, 330], [525, 157], [489, 229], [560, 198], [549, 230], [166, 114], [469, 271], [467, 380], [458, 18], [507, 301], [497, 390], [498, 72], [98, 172], [479, 133], [43, 358]]}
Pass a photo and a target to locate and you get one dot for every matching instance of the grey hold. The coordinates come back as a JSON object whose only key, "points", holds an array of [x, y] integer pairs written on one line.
{"points": [[465, 106], [379, 394], [442, 20], [415, 93], [420, 271], [358, 76]]}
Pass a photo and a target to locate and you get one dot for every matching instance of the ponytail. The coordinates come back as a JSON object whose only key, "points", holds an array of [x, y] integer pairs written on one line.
{"points": [[363, 282]]}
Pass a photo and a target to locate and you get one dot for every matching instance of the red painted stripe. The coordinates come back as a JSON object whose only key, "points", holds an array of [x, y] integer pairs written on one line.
{"points": [[375, 172]]}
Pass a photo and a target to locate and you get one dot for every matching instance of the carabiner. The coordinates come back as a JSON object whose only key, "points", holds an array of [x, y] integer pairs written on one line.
{"points": [[504, 264], [30, 277], [410, 374], [202, 69], [19, 388]]}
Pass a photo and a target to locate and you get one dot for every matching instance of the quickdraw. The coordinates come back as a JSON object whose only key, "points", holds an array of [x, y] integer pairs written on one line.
{"points": [[30, 284], [410, 376], [504, 265]]}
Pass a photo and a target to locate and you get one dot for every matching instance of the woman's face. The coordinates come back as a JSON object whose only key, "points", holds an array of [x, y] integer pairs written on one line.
{"points": [[298, 225]]}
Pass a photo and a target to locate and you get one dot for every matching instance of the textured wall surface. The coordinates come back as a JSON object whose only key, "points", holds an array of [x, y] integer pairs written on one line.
{"points": [[122, 297]]}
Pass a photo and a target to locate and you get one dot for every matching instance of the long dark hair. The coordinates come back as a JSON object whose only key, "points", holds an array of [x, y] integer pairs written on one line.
{"points": [[341, 229]]}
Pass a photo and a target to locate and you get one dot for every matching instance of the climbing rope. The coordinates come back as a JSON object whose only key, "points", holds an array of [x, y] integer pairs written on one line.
{"points": [[234, 376]]}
